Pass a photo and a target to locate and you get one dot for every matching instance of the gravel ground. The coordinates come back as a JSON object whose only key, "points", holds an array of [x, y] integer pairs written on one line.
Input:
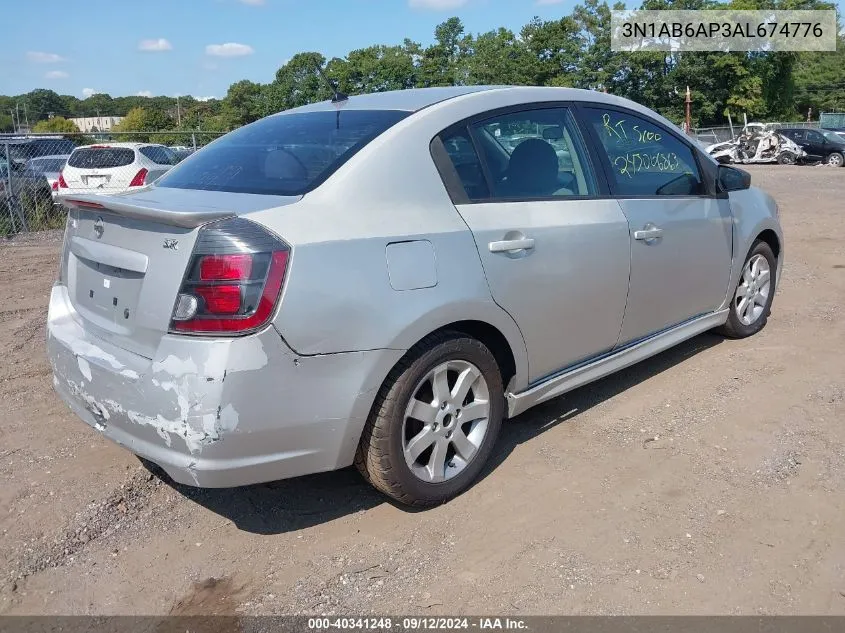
{"points": [[706, 480]]}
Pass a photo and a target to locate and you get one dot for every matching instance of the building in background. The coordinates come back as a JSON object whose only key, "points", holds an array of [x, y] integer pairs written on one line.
{"points": [[96, 123]]}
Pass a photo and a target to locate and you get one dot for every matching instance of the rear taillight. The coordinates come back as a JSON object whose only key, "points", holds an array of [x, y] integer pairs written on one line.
{"points": [[140, 177], [62, 183], [55, 185], [233, 281]]}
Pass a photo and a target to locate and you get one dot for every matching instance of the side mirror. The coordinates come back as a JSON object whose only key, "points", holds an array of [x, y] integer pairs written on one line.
{"points": [[733, 178]]}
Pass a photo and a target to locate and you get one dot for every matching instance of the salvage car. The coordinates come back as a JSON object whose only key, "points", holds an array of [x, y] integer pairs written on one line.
{"points": [[758, 143], [379, 281]]}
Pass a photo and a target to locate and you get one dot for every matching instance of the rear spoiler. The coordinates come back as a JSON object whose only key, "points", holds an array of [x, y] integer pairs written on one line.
{"points": [[136, 211]]}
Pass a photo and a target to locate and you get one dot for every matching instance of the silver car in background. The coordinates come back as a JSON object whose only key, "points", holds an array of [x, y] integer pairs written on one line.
{"points": [[383, 279], [50, 167]]}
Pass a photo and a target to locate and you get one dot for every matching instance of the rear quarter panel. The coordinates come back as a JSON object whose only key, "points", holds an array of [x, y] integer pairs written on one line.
{"points": [[338, 295]]}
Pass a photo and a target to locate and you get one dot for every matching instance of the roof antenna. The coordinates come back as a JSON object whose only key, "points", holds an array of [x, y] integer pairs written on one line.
{"points": [[337, 95]]}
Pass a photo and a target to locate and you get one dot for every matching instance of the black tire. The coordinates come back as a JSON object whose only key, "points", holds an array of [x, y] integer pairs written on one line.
{"points": [[835, 158], [380, 457], [734, 327], [787, 158]]}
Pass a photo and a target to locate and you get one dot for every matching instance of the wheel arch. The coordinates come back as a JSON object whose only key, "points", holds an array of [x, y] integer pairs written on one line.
{"points": [[770, 237], [483, 321]]}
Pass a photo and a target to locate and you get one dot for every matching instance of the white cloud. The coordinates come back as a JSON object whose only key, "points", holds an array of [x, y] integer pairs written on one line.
{"points": [[205, 98], [56, 74], [436, 5], [88, 92], [143, 93], [253, 3], [44, 58], [155, 46], [229, 49]]}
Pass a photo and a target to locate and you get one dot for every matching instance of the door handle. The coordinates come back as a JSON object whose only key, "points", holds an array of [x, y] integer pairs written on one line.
{"points": [[505, 246], [648, 233]]}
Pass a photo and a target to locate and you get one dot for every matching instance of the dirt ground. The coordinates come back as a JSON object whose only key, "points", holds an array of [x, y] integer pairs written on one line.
{"points": [[707, 480]]}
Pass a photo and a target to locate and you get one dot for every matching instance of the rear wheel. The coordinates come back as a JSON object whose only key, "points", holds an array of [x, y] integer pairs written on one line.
{"points": [[753, 296], [434, 422], [836, 159], [787, 158]]}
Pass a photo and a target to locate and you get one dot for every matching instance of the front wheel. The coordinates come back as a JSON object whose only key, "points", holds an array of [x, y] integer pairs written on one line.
{"points": [[753, 296], [836, 159], [434, 422]]}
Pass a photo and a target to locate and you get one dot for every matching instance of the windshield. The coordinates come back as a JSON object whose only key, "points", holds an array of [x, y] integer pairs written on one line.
{"points": [[287, 154]]}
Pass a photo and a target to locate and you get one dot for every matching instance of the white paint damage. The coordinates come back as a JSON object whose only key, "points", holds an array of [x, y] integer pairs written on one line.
{"points": [[84, 368], [180, 394], [200, 419]]}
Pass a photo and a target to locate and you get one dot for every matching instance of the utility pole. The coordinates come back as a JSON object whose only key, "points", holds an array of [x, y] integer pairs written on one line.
{"points": [[26, 116], [14, 127], [178, 113], [688, 104]]}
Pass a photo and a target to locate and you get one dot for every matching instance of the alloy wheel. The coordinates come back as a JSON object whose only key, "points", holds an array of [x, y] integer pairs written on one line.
{"points": [[752, 294], [446, 421]]}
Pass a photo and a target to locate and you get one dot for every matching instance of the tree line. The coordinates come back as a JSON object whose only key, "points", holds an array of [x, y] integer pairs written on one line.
{"points": [[571, 51]]}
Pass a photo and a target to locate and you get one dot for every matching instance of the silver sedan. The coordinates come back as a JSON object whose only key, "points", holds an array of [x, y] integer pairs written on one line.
{"points": [[382, 280]]}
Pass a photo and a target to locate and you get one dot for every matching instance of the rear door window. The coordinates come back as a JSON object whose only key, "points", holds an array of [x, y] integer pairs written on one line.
{"points": [[644, 159], [465, 160], [101, 157], [534, 153], [286, 154]]}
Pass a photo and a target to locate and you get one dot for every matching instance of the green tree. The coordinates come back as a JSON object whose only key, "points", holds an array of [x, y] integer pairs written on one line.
{"points": [[444, 62], [57, 124], [500, 57], [41, 104], [243, 103], [141, 121], [298, 82]]}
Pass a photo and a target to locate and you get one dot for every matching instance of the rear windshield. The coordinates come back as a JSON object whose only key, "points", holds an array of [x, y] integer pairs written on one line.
{"points": [[289, 154], [159, 154], [101, 158], [47, 165]]}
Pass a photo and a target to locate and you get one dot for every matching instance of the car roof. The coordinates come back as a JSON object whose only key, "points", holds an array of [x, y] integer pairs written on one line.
{"points": [[409, 100], [53, 156], [416, 99], [109, 145]]}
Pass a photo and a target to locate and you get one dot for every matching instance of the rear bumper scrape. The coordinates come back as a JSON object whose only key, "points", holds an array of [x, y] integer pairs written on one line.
{"points": [[217, 413]]}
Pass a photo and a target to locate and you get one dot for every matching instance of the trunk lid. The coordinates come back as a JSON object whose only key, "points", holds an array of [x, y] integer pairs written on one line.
{"points": [[125, 256]]}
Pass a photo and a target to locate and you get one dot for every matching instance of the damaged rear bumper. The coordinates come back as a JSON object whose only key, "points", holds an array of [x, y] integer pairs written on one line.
{"points": [[217, 412]]}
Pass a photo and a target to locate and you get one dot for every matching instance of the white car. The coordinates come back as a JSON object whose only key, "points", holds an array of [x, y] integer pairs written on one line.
{"points": [[114, 167]]}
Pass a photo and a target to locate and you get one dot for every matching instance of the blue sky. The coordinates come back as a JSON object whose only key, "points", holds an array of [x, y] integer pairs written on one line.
{"points": [[200, 47]]}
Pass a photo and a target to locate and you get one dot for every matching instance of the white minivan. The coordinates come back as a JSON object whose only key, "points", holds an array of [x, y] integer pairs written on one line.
{"points": [[114, 167]]}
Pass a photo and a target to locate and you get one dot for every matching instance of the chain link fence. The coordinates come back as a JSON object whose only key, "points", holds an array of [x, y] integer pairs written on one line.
{"points": [[710, 135], [36, 168]]}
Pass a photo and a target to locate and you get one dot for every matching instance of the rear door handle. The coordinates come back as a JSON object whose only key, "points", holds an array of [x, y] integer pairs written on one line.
{"points": [[648, 233], [505, 246]]}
